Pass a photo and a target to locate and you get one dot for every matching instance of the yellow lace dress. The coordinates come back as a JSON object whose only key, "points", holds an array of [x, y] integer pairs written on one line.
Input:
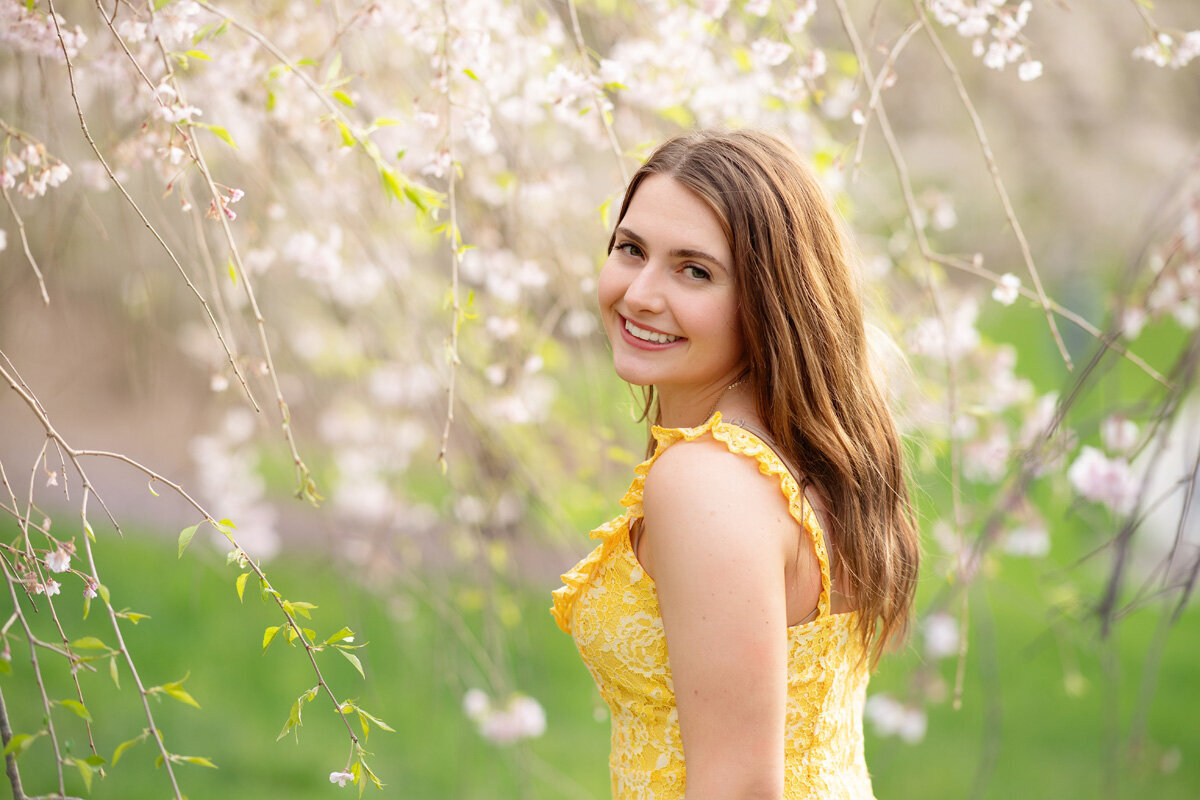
{"points": [[609, 606]]}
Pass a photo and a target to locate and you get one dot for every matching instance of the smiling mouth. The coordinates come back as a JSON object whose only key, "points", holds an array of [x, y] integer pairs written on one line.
{"points": [[649, 336]]}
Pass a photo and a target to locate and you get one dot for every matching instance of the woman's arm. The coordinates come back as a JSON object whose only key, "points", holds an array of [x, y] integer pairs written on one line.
{"points": [[718, 536]]}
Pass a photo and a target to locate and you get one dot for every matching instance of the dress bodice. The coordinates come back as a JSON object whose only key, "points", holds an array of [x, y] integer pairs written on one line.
{"points": [[610, 607]]}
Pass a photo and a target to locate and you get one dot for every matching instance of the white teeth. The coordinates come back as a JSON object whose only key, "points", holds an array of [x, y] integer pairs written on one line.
{"points": [[649, 336]]}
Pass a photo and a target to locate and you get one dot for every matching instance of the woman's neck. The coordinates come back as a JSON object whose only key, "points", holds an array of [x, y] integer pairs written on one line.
{"points": [[679, 409]]}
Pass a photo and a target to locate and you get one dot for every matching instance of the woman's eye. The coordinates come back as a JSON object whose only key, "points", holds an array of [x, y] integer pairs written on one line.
{"points": [[699, 273], [630, 249]]}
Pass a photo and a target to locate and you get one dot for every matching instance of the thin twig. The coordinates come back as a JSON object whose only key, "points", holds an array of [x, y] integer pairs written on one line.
{"points": [[10, 760], [455, 240], [137, 209], [25, 245], [877, 87], [997, 181], [598, 97]]}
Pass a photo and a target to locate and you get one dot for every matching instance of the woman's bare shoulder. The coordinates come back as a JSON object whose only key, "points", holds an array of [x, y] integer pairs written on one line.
{"points": [[699, 488]]}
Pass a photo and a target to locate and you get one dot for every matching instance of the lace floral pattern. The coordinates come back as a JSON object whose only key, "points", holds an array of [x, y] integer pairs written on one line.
{"points": [[609, 606]]}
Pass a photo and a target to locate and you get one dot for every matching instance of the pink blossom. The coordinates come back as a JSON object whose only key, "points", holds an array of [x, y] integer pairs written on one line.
{"points": [[522, 718], [59, 173], [1104, 480], [816, 65], [89, 591], [58, 561], [50, 588], [769, 53]]}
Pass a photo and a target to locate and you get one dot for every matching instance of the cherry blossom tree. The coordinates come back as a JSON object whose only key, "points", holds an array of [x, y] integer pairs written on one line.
{"points": [[375, 228]]}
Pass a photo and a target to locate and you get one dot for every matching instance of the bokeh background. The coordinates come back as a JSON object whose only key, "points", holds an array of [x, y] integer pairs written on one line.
{"points": [[339, 145]]}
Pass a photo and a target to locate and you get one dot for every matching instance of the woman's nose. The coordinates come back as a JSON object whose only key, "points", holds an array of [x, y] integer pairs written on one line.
{"points": [[645, 291]]}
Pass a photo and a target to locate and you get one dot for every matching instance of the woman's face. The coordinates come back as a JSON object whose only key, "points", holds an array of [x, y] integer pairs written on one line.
{"points": [[667, 293]]}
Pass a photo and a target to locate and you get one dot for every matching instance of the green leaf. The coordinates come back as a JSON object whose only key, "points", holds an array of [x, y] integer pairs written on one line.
{"points": [[293, 720], [95, 761], [241, 584], [112, 671], [353, 659], [343, 98], [348, 139], [391, 184], [371, 775], [132, 616], [102, 590], [123, 746], [85, 771], [232, 272], [299, 607], [219, 132], [383, 122], [269, 636], [180, 694], [79, 708], [470, 74], [364, 719], [185, 537], [200, 54], [339, 636], [89, 643], [200, 760], [376, 720], [19, 744], [87, 528], [160, 4], [5, 667], [150, 486]]}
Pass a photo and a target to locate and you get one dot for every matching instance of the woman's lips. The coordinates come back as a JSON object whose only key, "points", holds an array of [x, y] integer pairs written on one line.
{"points": [[642, 343]]}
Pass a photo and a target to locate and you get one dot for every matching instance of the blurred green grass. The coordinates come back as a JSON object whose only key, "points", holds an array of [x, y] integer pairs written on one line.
{"points": [[1042, 740]]}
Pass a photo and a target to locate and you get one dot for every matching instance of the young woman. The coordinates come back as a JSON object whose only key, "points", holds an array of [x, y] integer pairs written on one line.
{"points": [[767, 552]]}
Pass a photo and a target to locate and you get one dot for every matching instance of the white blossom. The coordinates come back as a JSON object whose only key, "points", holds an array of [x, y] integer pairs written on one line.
{"points": [[1118, 433], [757, 8], [1029, 70], [1031, 541], [1007, 290], [341, 777], [941, 635], [892, 718]]}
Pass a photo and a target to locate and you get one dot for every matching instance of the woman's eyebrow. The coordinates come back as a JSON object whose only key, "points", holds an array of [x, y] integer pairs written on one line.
{"points": [[686, 252]]}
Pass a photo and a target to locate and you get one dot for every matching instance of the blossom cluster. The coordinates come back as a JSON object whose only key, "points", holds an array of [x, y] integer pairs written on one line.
{"points": [[27, 29], [995, 28], [40, 170], [1170, 51], [889, 717], [521, 717]]}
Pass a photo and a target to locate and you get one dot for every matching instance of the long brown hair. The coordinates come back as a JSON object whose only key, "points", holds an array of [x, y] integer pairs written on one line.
{"points": [[801, 313]]}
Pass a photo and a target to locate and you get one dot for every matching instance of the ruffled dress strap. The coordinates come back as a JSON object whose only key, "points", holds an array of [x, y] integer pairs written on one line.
{"points": [[738, 440]]}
